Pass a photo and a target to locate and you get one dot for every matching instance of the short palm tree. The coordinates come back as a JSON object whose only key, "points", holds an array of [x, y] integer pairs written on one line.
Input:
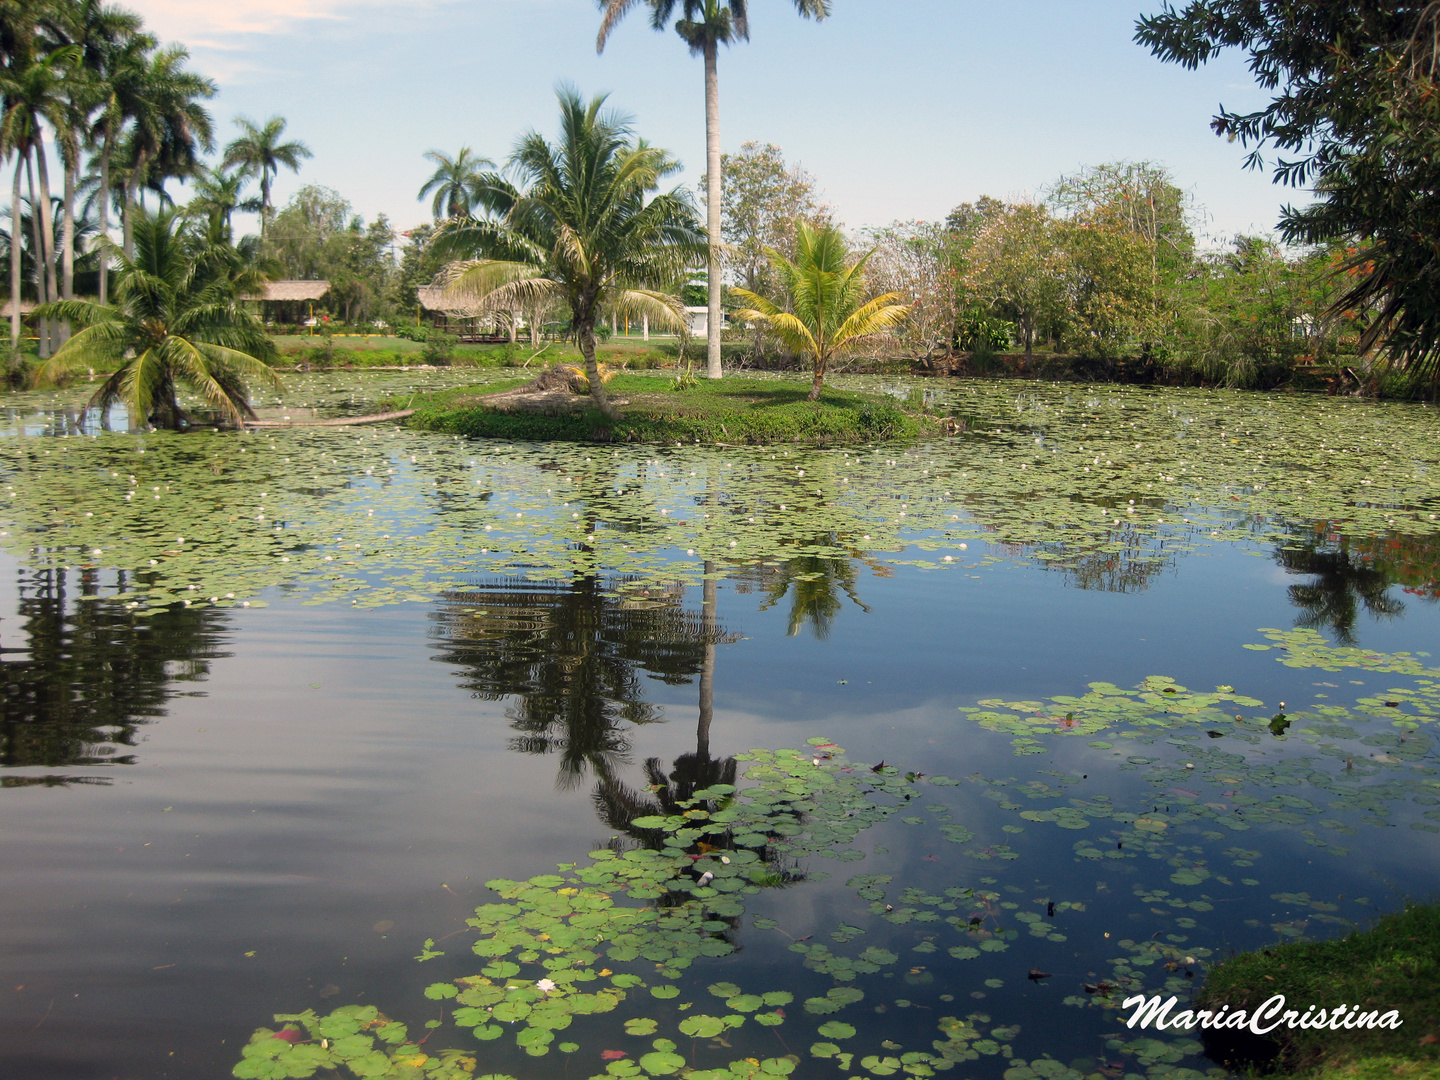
{"points": [[175, 322], [587, 229], [828, 313], [455, 182], [260, 153]]}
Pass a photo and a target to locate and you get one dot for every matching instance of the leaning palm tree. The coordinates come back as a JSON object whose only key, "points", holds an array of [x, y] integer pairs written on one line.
{"points": [[587, 229], [260, 153], [828, 313], [455, 182], [175, 322], [705, 26]]}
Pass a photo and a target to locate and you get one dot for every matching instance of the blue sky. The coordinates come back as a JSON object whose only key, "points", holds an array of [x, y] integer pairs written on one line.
{"points": [[901, 108]]}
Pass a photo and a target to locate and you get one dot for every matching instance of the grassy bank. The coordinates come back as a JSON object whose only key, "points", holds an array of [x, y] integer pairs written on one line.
{"points": [[1393, 965], [361, 352], [729, 411]]}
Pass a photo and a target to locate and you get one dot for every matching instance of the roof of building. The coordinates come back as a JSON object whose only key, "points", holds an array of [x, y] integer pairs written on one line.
{"points": [[433, 298], [291, 290], [26, 307]]}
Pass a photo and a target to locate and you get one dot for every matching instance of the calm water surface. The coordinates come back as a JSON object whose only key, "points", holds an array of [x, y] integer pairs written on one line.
{"points": [[212, 812]]}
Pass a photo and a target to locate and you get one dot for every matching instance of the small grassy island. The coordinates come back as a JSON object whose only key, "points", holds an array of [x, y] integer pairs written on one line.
{"points": [[652, 409], [1393, 965]]}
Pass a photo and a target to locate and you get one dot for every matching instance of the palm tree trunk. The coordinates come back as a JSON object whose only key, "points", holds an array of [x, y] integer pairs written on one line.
{"points": [[67, 251], [47, 222], [127, 211], [104, 222], [264, 201], [37, 260], [818, 382], [15, 257], [712, 208], [586, 339]]}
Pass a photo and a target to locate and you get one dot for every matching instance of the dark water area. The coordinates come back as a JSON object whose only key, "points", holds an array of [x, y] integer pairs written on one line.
{"points": [[215, 808]]}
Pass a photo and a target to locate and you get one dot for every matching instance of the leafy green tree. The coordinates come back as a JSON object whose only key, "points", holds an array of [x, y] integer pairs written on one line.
{"points": [[1018, 262], [587, 230], [827, 314], [456, 182], [763, 197], [704, 26], [1355, 118], [176, 322], [318, 236], [259, 153]]}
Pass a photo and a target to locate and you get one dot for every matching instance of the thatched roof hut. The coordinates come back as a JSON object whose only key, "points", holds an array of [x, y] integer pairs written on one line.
{"points": [[291, 291], [26, 307], [433, 298]]}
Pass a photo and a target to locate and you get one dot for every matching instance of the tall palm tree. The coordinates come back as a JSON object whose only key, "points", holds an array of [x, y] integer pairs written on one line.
{"points": [[98, 29], [829, 314], [121, 80], [167, 125], [32, 90], [705, 25], [259, 153], [176, 322], [587, 229], [218, 196], [455, 182]]}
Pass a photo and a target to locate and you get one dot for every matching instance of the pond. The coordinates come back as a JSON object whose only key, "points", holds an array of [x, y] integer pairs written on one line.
{"points": [[639, 761]]}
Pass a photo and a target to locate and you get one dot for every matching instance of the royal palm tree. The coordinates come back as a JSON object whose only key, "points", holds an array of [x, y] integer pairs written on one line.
{"points": [[168, 125], [705, 25], [828, 313], [120, 80], [32, 90], [218, 196], [456, 182], [259, 153], [99, 30], [175, 322], [587, 229]]}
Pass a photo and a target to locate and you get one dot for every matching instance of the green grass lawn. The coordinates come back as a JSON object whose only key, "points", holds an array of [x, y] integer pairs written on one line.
{"points": [[733, 410], [380, 351], [1393, 965]]}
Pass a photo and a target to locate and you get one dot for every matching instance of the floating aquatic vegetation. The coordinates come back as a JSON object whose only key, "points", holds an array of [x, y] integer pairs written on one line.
{"points": [[1105, 485]]}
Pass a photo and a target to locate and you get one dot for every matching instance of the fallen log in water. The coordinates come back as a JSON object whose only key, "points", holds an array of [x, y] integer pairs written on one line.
{"points": [[340, 421]]}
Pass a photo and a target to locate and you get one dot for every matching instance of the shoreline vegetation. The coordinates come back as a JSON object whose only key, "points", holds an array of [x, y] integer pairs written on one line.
{"points": [[653, 409], [1393, 965]]}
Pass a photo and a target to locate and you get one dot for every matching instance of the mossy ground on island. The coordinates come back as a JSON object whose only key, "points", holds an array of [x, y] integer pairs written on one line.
{"points": [[651, 410], [1394, 965]]}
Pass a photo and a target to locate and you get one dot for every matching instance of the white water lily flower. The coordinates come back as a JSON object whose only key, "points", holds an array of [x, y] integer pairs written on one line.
{"points": [[546, 985]]}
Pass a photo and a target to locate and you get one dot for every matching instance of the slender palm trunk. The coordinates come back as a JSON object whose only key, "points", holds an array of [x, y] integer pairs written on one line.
{"points": [[712, 208], [15, 256], [817, 383], [37, 259], [47, 222], [104, 222], [67, 250], [264, 201]]}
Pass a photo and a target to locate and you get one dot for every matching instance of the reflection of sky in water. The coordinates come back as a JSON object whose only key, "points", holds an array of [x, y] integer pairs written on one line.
{"points": [[326, 788]]}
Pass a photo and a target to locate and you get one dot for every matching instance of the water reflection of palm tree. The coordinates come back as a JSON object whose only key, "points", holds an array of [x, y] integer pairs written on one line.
{"points": [[1342, 584], [815, 585], [570, 656], [89, 672]]}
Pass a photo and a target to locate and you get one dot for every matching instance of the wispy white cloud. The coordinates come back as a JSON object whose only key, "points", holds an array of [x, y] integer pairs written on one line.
{"points": [[215, 24]]}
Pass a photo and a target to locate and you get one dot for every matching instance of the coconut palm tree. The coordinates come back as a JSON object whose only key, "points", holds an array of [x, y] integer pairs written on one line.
{"points": [[828, 313], [586, 229], [176, 322], [455, 182], [260, 153], [705, 25]]}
